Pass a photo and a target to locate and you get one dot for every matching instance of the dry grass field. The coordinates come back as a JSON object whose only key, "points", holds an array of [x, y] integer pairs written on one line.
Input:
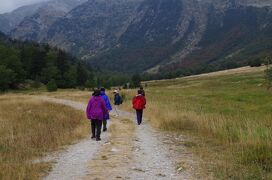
{"points": [[30, 128], [228, 116]]}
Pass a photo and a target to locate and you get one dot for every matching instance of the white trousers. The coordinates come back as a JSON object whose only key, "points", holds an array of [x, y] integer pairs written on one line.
{"points": [[116, 109]]}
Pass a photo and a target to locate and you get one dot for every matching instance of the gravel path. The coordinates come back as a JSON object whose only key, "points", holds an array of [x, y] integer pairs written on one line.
{"points": [[73, 162], [152, 157]]}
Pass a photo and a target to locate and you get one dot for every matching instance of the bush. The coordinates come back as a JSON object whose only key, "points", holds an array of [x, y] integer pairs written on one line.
{"points": [[7, 78], [52, 86], [268, 77], [255, 63]]}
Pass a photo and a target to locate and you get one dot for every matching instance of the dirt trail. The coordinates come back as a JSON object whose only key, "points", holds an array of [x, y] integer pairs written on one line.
{"points": [[153, 157], [146, 156]]}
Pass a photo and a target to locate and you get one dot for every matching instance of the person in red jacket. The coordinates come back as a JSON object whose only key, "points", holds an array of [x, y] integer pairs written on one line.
{"points": [[139, 103]]}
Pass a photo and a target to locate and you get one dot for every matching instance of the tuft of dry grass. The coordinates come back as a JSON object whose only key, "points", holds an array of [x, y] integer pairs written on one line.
{"points": [[30, 128]]}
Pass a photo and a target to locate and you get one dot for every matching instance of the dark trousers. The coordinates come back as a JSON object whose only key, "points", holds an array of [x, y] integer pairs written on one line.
{"points": [[139, 114], [104, 124], [96, 127]]}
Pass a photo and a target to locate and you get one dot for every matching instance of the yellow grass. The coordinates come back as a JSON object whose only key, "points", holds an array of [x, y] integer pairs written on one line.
{"points": [[227, 115], [30, 128]]}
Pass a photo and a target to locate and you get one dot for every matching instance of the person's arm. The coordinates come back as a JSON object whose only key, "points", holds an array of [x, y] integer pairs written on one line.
{"points": [[115, 99], [144, 100], [108, 103], [133, 100], [104, 107], [89, 106], [119, 100]]}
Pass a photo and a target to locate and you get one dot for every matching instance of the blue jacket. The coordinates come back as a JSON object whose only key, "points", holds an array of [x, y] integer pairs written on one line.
{"points": [[106, 99], [117, 99]]}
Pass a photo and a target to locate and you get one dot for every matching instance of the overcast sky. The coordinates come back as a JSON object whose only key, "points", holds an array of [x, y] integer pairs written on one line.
{"points": [[9, 5]]}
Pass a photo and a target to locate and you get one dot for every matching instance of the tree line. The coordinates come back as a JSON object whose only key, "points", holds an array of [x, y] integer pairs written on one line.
{"points": [[30, 65], [21, 62]]}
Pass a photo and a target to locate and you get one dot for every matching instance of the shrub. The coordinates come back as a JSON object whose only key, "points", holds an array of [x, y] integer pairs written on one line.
{"points": [[255, 63], [268, 76], [52, 86]]}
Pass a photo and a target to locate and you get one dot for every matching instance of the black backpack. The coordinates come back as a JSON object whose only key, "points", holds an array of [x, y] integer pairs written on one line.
{"points": [[121, 100]]}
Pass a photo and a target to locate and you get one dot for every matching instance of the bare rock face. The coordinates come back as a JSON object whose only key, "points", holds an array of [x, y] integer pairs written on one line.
{"points": [[35, 26], [8, 21], [155, 35], [93, 26]]}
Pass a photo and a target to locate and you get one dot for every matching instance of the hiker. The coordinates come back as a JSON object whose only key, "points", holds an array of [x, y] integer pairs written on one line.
{"points": [[142, 90], [96, 111], [139, 103], [108, 105], [117, 102]]}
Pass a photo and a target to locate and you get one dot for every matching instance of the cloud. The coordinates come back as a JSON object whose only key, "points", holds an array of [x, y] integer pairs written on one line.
{"points": [[9, 5]]}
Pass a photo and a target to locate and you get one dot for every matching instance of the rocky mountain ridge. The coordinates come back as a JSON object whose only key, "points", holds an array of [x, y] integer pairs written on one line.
{"points": [[35, 26], [157, 35], [11, 20]]}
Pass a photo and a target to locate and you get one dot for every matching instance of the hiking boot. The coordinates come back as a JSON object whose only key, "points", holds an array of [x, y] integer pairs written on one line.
{"points": [[98, 139], [93, 137], [105, 129]]}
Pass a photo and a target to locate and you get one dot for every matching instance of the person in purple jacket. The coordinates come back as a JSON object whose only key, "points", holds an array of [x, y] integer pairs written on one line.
{"points": [[96, 111]]}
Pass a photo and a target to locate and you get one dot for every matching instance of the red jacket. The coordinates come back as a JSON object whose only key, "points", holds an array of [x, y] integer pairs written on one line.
{"points": [[139, 102]]}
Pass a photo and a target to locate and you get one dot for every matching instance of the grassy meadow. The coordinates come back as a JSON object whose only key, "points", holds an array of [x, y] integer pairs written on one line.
{"points": [[228, 116], [225, 116], [30, 128]]}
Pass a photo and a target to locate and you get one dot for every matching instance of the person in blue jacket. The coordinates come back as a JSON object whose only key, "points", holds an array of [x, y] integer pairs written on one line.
{"points": [[117, 101], [108, 105]]}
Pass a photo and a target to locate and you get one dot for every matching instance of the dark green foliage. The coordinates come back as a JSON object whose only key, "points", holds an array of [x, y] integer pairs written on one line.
{"points": [[136, 80], [52, 86], [255, 63], [37, 83], [82, 74], [7, 78], [22, 61]]}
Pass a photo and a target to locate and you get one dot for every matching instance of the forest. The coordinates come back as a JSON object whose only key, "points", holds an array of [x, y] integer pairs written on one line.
{"points": [[26, 65]]}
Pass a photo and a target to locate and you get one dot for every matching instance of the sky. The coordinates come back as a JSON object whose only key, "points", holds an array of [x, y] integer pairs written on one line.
{"points": [[9, 5]]}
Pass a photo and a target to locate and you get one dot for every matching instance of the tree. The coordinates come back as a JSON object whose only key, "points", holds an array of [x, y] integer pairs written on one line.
{"points": [[255, 63], [37, 63], [71, 77], [136, 80], [82, 74], [7, 77], [90, 83], [37, 83], [52, 86]]}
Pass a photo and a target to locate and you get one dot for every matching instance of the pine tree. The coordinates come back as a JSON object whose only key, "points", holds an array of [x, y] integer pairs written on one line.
{"points": [[82, 74], [52, 86], [136, 80]]}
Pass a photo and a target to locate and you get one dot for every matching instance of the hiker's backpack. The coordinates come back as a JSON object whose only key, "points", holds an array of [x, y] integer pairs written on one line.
{"points": [[121, 100]]}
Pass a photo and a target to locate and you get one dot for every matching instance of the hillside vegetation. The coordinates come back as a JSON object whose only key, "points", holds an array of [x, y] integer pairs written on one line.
{"points": [[24, 61], [227, 115]]}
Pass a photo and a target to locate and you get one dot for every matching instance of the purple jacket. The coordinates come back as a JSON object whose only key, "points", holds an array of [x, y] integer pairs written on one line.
{"points": [[96, 108]]}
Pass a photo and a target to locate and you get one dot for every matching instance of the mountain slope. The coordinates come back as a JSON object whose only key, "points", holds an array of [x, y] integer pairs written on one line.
{"points": [[35, 27], [231, 39], [158, 35], [10, 20]]}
